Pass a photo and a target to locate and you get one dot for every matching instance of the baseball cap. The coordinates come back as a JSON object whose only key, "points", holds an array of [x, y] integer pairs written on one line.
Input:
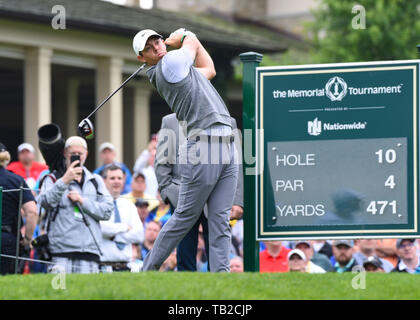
{"points": [[373, 260], [302, 242], [140, 39], [75, 141], [26, 146], [348, 243], [139, 174], [106, 145], [2, 147], [298, 252], [399, 241], [141, 203]]}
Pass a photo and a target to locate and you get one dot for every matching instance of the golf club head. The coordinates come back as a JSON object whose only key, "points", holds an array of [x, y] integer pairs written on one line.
{"points": [[86, 129]]}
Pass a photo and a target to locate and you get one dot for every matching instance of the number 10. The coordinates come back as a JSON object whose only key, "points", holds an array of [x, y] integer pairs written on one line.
{"points": [[390, 155]]}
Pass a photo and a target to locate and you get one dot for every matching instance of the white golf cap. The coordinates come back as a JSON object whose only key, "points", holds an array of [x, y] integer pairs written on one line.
{"points": [[75, 141], [298, 252], [140, 39], [26, 146], [106, 145]]}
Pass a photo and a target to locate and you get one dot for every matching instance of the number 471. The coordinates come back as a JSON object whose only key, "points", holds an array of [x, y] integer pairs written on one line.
{"points": [[374, 205]]}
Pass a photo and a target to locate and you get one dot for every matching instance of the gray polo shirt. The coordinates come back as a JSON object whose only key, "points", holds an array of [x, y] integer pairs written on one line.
{"points": [[190, 94]]}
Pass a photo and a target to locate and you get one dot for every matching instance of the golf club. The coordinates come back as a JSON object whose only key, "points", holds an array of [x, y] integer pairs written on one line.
{"points": [[85, 126]]}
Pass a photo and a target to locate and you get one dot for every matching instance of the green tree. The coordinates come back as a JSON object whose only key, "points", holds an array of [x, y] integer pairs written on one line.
{"points": [[391, 32]]}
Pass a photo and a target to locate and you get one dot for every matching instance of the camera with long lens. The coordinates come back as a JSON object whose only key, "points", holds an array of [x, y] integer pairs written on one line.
{"points": [[41, 246], [51, 145]]}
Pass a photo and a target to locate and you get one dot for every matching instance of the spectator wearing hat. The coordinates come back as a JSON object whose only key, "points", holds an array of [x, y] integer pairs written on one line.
{"points": [[313, 256], [142, 211], [26, 166], [107, 155], [274, 257], [298, 262], [408, 258], [373, 264], [138, 191], [367, 247], [343, 255]]}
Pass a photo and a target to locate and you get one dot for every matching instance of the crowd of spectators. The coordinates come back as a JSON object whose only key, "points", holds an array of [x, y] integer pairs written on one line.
{"points": [[139, 214], [306, 256]]}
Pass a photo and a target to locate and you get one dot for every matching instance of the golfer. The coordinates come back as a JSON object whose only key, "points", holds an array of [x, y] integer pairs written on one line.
{"points": [[186, 88]]}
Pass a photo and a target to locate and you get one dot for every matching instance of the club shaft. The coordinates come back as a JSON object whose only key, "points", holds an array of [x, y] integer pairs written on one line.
{"points": [[112, 94]]}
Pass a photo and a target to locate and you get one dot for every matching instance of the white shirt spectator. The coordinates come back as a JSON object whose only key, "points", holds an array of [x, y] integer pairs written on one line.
{"points": [[148, 171], [119, 232], [403, 267]]}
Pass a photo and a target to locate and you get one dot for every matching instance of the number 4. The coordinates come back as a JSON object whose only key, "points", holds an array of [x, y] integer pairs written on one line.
{"points": [[390, 182], [372, 207]]}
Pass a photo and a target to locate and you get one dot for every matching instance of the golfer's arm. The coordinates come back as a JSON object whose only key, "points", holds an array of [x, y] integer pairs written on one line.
{"points": [[203, 61]]}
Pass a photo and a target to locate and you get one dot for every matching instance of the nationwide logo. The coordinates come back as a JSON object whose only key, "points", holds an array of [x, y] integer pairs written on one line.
{"points": [[336, 89], [316, 127]]}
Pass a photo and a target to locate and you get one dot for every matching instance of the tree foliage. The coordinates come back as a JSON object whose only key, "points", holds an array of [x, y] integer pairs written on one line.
{"points": [[391, 32]]}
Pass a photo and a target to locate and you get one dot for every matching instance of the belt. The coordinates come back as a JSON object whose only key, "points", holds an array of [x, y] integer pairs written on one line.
{"points": [[207, 138]]}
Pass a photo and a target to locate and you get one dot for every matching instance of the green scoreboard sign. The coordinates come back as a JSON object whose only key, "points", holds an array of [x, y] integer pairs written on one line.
{"points": [[338, 151]]}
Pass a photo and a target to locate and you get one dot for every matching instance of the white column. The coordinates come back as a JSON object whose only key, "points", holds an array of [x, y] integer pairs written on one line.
{"points": [[109, 122], [72, 110], [141, 116], [37, 93]]}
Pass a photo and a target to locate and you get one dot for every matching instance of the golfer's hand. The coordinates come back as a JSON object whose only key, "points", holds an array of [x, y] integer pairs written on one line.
{"points": [[72, 173], [75, 196], [174, 39], [236, 212]]}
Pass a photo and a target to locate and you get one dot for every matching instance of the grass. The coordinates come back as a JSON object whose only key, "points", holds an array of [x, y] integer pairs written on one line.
{"points": [[203, 286]]}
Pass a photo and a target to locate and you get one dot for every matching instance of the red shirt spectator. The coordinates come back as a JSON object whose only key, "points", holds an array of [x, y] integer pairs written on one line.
{"points": [[274, 257], [27, 167]]}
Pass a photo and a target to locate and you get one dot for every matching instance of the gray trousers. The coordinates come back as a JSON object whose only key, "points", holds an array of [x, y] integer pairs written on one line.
{"points": [[208, 175]]}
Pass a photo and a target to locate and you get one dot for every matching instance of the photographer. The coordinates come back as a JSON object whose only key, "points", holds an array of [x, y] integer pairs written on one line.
{"points": [[75, 203], [10, 212]]}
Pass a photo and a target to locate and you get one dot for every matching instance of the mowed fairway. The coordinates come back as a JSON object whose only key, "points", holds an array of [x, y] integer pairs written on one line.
{"points": [[199, 286]]}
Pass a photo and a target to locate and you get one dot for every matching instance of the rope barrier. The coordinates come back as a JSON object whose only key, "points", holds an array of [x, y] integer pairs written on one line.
{"points": [[56, 264], [26, 259], [83, 194]]}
